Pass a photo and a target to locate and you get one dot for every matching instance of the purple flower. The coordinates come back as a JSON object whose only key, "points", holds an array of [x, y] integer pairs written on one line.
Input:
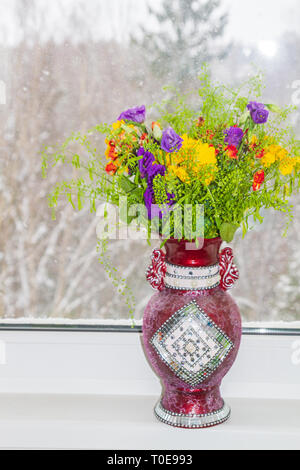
{"points": [[171, 142], [258, 112], [260, 116], [137, 114], [233, 136], [171, 197], [147, 166], [253, 106], [153, 209], [146, 162], [141, 151], [148, 198], [155, 170]]}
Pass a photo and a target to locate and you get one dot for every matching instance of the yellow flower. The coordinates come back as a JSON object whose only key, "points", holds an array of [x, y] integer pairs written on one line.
{"points": [[254, 140], [268, 159], [211, 177], [287, 165], [116, 125], [188, 142], [200, 153], [282, 154], [195, 159], [174, 158], [197, 152], [180, 172], [274, 153], [205, 155]]}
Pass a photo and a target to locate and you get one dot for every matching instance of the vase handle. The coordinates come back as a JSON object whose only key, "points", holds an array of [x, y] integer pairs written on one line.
{"points": [[228, 271], [157, 270]]}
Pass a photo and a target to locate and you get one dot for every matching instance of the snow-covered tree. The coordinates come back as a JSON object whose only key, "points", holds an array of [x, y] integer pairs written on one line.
{"points": [[187, 33]]}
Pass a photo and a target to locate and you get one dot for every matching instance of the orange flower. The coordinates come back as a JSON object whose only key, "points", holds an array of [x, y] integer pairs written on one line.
{"points": [[254, 142], [232, 152], [210, 135], [110, 152], [258, 180], [111, 168], [143, 138], [217, 151], [220, 148], [155, 123], [200, 122], [260, 154]]}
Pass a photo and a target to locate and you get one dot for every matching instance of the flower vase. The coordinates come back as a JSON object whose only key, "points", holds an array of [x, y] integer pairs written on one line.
{"points": [[192, 330]]}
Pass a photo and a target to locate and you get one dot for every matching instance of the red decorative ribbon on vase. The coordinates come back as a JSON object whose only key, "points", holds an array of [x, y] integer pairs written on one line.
{"points": [[228, 273], [157, 270]]}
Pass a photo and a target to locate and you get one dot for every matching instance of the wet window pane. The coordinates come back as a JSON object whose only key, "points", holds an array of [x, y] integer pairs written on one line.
{"points": [[67, 65]]}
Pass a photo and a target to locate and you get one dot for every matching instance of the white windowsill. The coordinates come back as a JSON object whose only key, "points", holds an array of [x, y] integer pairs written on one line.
{"points": [[127, 422], [96, 390]]}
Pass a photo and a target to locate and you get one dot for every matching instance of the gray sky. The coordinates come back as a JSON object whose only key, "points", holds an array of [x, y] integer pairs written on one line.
{"points": [[259, 20], [249, 22], [255, 20]]}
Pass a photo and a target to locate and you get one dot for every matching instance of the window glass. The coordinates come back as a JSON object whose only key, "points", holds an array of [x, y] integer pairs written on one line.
{"points": [[67, 65]]}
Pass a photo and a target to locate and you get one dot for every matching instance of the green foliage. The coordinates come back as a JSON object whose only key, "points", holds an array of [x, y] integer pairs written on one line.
{"points": [[225, 187], [227, 231], [234, 185], [160, 191], [117, 281]]}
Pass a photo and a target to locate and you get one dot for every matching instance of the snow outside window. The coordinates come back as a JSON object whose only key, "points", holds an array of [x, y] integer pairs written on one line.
{"points": [[67, 65]]}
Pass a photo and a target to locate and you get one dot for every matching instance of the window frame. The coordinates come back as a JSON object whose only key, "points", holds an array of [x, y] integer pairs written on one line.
{"points": [[109, 328]]}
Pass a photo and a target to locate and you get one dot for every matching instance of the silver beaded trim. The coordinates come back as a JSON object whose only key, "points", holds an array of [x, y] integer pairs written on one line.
{"points": [[189, 283], [192, 420], [180, 321], [190, 278], [186, 271]]}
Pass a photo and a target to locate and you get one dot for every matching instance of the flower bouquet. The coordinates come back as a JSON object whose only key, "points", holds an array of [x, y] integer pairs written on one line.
{"points": [[201, 170]]}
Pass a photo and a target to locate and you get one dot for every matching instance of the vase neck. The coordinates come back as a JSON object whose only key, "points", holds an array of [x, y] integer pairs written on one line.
{"points": [[183, 253]]}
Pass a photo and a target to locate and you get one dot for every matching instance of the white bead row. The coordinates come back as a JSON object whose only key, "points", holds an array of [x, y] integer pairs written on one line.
{"points": [[191, 272], [189, 283]]}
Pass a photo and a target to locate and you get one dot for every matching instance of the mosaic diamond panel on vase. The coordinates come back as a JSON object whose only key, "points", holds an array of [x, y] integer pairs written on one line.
{"points": [[191, 344]]}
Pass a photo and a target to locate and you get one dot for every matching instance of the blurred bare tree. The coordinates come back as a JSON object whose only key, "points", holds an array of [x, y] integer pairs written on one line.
{"points": [[50, 268]]}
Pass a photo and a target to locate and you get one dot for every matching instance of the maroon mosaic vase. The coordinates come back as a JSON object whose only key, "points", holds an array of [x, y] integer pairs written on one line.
{"points": [[192, 330]]}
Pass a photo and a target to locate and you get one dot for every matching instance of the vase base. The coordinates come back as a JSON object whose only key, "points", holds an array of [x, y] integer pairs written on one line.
{"points": [[192, 421]]}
